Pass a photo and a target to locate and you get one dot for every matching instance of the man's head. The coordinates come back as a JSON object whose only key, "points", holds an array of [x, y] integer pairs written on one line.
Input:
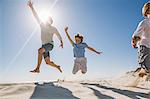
{"points": [[146, 9], [49, 20], [78, 39]]}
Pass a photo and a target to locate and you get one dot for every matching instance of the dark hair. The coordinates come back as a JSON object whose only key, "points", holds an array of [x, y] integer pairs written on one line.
{"points": [[79, 36]]}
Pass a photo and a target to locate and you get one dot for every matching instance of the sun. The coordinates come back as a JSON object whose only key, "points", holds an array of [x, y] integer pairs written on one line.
{"points": [[44, 15]]}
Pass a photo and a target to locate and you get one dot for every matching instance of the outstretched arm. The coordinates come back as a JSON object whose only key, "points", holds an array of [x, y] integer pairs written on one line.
{"points": [[71, 41], [30, 4], [92, 49]]}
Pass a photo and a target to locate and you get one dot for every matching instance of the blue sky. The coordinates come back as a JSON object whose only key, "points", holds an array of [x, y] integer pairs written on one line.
{"points": [[107, 25], [0, 35]]}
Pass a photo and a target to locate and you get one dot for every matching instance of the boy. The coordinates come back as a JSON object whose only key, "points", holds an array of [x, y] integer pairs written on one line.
{"points": [[79, 53], [47, 32]]}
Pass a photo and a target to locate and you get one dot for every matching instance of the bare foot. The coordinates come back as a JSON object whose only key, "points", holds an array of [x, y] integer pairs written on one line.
{"points": [[35, 71], [58, 67], [142, 72]]}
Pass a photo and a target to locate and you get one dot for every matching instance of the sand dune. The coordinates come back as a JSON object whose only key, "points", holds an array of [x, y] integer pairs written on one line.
{"points": [[16, 91], [71, 90], [97, 89]]}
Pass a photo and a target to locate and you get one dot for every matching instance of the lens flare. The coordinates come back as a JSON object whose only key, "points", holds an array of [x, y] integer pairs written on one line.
{"points": [[44, 16]]}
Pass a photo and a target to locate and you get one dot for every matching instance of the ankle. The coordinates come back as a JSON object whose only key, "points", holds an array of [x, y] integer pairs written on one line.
{"points": [[37, 68]]}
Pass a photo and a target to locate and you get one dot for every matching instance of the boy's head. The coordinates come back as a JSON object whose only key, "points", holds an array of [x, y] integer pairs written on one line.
{"points": [[78, 39], [146, 9], [49, 20]]}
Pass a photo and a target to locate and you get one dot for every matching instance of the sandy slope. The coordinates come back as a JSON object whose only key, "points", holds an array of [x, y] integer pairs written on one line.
{"points": [[72, 90], [114, 88]]}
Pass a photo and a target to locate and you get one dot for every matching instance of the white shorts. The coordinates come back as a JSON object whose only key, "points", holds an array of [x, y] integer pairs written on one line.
{"points": [[80, 64]]}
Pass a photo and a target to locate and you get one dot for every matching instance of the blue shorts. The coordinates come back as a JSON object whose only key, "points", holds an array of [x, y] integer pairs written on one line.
{"points": [[48, 47]]}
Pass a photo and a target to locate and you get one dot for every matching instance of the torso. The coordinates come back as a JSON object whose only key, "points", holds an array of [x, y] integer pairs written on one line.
{"points": [[47, 32], [145, 39], [79, 50]]}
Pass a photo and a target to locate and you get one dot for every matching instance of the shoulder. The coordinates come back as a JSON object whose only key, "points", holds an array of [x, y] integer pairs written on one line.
{"points": [[54, 28], [74, 44], [84, 44], [42, 24], [143, 22]]}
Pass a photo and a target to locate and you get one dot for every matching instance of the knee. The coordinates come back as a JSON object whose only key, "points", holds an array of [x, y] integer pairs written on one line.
{"points": [[83, 72], [49, 62], [40, 51]]}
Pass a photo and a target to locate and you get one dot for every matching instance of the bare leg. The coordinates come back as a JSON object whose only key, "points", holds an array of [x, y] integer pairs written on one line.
{"points": [[48, 62], [40, 53]]}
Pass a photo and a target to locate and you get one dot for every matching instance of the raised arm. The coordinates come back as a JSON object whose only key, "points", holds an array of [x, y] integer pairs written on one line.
{"points": [[92, 49], [71, 41], [30, 4]]}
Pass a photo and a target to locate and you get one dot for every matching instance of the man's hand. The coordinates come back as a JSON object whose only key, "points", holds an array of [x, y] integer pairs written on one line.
{"points": [[66, 29], [30, 4], [99, 52], [61, 45], [133, 42]]}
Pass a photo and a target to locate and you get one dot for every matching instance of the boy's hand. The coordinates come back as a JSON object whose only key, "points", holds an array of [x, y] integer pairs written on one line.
{"points": [[30, 4], [66, 29]]}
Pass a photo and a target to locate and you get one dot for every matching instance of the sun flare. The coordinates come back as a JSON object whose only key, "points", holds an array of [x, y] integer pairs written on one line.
{"points": [[44, 15]]}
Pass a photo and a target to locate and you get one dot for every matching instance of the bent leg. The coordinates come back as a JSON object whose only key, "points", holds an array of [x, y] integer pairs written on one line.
{"points": [[83, 65], [147, 63], [48, 62], [76, 67], [144, 60], [40, 53]]}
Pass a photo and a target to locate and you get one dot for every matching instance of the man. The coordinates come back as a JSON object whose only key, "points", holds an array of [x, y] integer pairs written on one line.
{"points": [[47, 33], [142, 37]]}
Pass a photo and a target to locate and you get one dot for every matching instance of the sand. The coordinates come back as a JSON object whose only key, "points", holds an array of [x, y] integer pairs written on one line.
{"points": [[120, 87]]}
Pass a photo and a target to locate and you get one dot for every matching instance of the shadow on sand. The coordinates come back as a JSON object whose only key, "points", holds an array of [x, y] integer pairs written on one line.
{"points": [[99, 95], [50, 91], [128, 93]]}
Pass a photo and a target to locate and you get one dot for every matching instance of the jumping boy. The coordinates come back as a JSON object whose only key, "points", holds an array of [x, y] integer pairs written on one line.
{"points": [[47, 32], [79, 53]]}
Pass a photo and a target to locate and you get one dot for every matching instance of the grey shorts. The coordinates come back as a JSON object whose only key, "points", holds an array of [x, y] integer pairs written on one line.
{"points": [[80, 64], [144, 57], [48, 47]]}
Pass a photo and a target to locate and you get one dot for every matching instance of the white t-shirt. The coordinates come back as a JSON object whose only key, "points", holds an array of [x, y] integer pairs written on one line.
{"points": [[143, 31], [47, 33]]}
